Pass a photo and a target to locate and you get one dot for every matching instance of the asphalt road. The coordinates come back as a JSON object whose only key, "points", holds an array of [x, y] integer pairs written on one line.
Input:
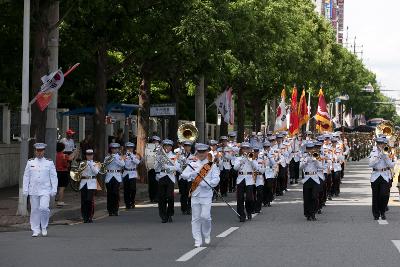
{"points": [[344, 235]]}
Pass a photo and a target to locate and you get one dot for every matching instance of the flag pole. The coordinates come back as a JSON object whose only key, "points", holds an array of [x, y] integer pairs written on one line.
{"points": [[309, 111]]}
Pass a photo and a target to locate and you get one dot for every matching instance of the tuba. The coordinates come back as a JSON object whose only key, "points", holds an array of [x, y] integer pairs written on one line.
{"points": [[76, 173], [385, 128], [188, 132]]}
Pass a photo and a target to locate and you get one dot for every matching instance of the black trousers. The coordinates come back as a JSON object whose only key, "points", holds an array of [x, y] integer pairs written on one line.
{"points": [[268, 194], [310, 197], [153, 185], [112, 196], [259, 198], [294, 168], [280, 182], [87, 203], [322, 193], [233, 174], [243, 204], [224, 182], [184, 187], [328, 182], [129, 191], [165, 197], [336, 183], [380, 196], [342, 172]]}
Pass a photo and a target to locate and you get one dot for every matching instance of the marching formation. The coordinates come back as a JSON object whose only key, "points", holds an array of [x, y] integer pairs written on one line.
{"points": [[257, 170]]}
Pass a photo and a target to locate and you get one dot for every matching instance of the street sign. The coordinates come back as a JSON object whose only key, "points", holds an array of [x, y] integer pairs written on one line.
{"points": [[161, 110]]}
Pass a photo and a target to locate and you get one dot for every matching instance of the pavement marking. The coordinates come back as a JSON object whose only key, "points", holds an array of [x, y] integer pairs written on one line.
{"points": [[396, 243], [254, 215], [187, 256], [228, 232], [382, 222]]}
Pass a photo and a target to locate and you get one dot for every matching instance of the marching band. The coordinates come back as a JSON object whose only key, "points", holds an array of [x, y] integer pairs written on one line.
{"points": [[258, 170]]}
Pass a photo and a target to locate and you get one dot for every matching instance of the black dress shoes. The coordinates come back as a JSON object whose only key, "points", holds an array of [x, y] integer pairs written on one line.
{"points": [[383, 217]]}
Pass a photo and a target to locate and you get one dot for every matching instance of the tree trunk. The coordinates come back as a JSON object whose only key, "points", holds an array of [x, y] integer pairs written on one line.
{"points": [[100, 104], [256, 104], [175, 89], [144, 112], [40, 66], [143, 119], [240, 114]]}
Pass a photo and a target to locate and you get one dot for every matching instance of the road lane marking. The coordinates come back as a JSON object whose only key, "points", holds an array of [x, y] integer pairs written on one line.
{"points": [[187, 256], [254, 215], [228, 232], [382, 221], [396, 243]]}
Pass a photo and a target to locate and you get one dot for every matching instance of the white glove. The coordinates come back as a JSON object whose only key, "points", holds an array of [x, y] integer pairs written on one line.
{"points": [[53, 194]]}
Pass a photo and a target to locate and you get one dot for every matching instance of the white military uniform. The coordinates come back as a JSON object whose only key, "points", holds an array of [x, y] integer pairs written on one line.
{"points": [[131, 163], [381, 165], [114, 168], [310, 168], [89, 176], [40, 182], [201, 199], [245, 167], [260, 169], [167, 169], [225, 161]]}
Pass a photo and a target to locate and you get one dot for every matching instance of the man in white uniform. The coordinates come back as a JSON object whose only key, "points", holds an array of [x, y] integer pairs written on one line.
{"points": [[204, 175], [88, 187], [381, 164], [113, 179], [130, 175], [39, 183]]}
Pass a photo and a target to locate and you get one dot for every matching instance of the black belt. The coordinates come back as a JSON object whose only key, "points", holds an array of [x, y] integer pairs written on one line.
{"points": [[381, 170], [130, 170], [113, 170], [88, 177], [310, 173], [161, 171], [245, 173]]}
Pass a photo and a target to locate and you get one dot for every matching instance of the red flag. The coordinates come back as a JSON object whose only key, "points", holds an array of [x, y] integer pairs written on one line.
{"points": [[294, 114], [43, 100], [303, 109], [322, 117]]}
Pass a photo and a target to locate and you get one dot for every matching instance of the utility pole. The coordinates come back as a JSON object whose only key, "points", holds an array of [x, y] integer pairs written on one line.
{"points": [[51, 123], [23, 157]]}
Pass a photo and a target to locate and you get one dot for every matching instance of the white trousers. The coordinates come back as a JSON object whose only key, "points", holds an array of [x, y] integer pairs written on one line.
{"points": [[40, 212], [201, 221]]}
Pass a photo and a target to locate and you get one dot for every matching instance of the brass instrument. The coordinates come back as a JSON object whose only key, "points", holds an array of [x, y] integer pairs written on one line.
{"points": [[188, 132], [76, 173], [385, 128], [103, 166]]}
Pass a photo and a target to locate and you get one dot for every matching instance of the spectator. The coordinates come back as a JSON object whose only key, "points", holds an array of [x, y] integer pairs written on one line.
{"points": [[62, 168]]}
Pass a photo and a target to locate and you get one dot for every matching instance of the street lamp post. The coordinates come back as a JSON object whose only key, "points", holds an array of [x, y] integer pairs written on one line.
{"points": [[23, 157]]}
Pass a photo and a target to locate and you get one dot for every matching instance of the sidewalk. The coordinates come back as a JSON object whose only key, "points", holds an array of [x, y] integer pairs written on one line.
{"points": [[68, 214]]}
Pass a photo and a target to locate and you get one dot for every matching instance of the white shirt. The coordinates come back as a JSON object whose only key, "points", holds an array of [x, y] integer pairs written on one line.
{"points": [[167, 169], [225, 161], [69, 144], [40, 177], [379, 161], [246, 167], [260, 169], [114, 168], [131, 163], [310, 168], [203, 193], [90, 171]]}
